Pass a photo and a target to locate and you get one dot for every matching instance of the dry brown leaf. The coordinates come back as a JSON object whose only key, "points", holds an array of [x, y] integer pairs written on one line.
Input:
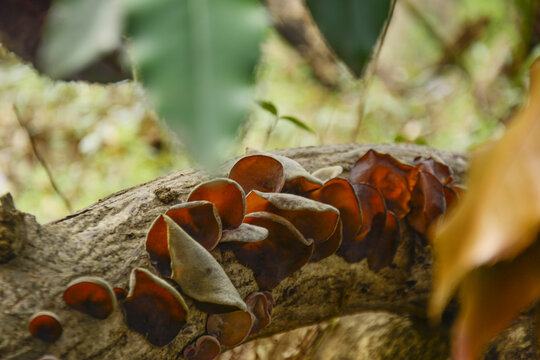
{"points": [[491, 298], [499, 216]]}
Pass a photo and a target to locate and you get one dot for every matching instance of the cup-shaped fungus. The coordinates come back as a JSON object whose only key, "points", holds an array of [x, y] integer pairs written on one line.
{"points": [[45, 325], [245, 233], [297, 179], [227, 196], [230, 328], [435, 168], [120, 293], [340, 194], [327, 173], [91, 295], [315, 220], [393, 179], [374, 220], [330, 246], [273, 259], [258, 172], [196, 271], [381, 251], [199, 219], [154, 308], [427, 202], [204, 348], [258, 305]]}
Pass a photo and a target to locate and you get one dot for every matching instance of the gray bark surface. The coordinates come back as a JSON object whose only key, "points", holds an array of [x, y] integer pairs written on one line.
{"points": [[107, 239]]}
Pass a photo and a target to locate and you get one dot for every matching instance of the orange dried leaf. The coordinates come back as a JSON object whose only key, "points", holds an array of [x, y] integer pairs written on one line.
{"points": [[499, 216], [491, 298]]}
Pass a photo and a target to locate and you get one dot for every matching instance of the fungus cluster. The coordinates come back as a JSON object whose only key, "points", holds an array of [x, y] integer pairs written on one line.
{"points": [[275, 217]]}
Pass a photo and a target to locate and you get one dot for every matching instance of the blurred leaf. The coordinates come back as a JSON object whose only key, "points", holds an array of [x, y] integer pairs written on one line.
{"points": [[351, 27], [268, 106], [491, 298], [77, 33], [196, 58], [499, 215], [298, 123]]}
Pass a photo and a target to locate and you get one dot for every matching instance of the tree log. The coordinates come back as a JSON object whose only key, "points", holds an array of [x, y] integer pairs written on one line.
{"points": [[107, 239]]}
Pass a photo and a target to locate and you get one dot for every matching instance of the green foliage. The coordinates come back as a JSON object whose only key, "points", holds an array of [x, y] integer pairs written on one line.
{"points": [[195, 58], [351, 27], [272, 109], [77, 33]]}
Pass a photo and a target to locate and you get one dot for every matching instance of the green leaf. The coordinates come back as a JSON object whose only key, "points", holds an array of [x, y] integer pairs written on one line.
{"points": [[351, 27], [298, 123], [268, 106], [196, 58], [77, 33]]}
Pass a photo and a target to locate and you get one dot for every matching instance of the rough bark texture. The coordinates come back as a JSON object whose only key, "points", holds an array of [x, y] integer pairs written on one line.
{"points": [[107, 239]]}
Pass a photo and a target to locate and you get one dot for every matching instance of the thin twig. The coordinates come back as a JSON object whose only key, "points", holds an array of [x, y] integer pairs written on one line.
{"points": [[368, 73], [41, 160]]}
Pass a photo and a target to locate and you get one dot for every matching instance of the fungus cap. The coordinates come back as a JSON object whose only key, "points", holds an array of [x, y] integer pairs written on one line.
{"points": [[258, 172], [205, 347], [392, 178], [231, 328], [46, 326], [228, 197], [91, 295], [196, 271], [284, 251], [154, 308], [258, 305]]}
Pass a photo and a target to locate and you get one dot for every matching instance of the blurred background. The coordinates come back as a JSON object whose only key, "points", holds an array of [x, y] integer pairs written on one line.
{"points": [[448, 75]]}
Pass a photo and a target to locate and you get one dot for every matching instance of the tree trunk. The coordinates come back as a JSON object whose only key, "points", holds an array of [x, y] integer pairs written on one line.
{"points": [[107, 239]]}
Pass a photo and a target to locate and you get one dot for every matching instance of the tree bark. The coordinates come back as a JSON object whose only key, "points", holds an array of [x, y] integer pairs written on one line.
{"points": [[107, 239]]}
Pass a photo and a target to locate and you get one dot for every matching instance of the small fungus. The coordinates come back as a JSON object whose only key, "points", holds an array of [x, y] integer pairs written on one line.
{"points": [[435, 168], [374, 220], [259, 306], [330, 246], [230, 328], [196, 271], [154, 308], [199, 219], [205, 348], [393, 179], [273, 259], [326, 173], [49, 357], [245, 233], [258, 172], [315, 220], [297, 179], [427, 202], [91, 295], [382, 250], [46, 326], [120, 293], [228, 197], [340, 194]]}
